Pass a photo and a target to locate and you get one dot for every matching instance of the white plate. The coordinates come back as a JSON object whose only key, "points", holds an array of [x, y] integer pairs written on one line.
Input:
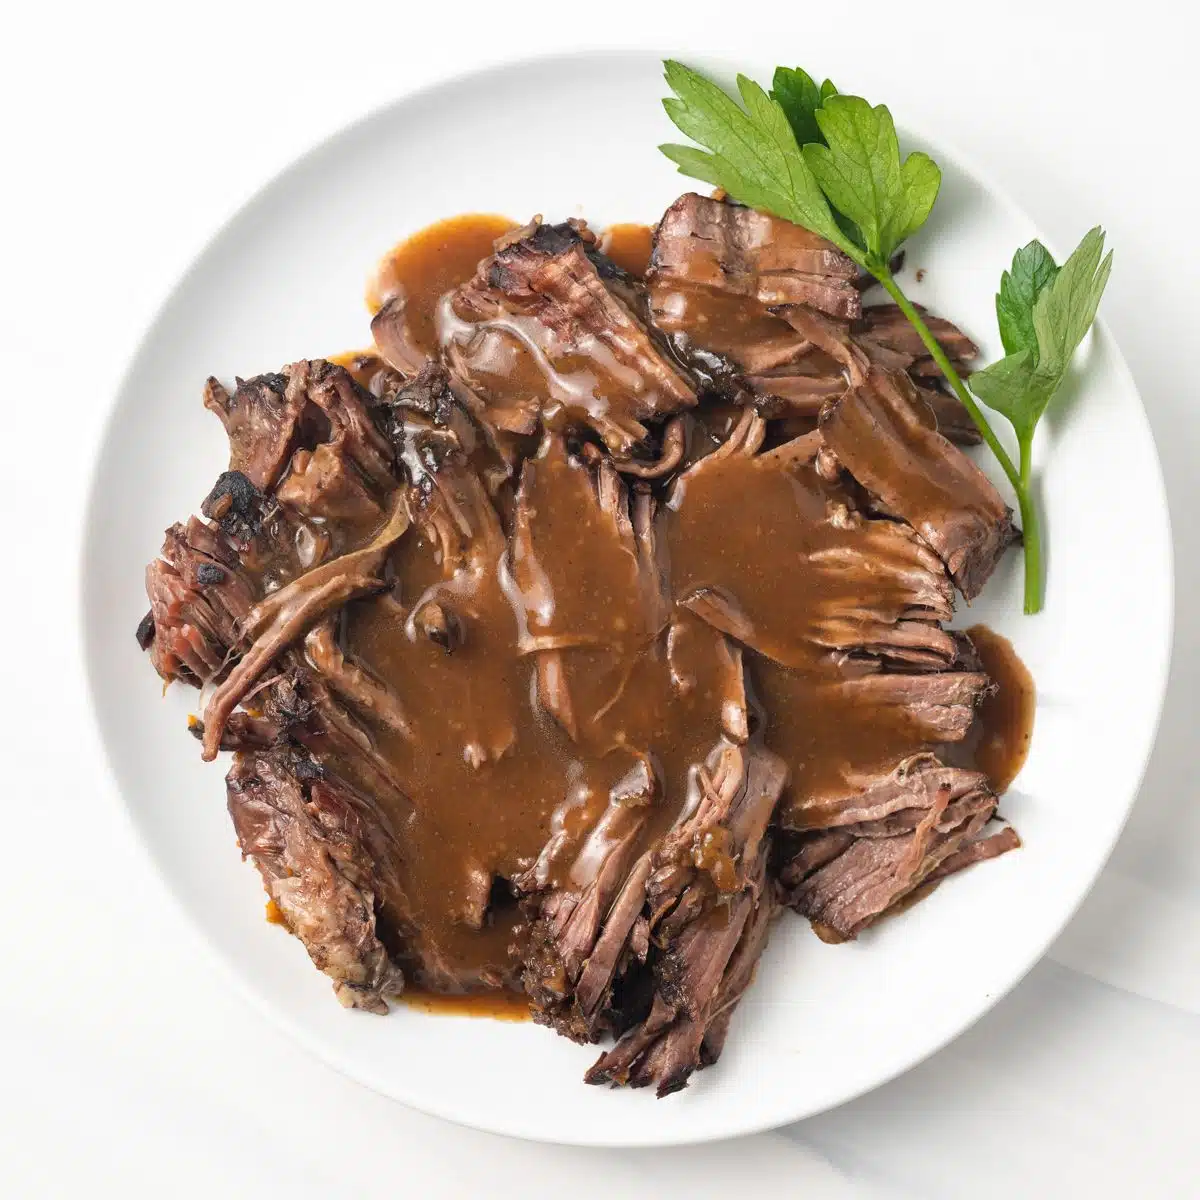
{"points": [[284, 280]]}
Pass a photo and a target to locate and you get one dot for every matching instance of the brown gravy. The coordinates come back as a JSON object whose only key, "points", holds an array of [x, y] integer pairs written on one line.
{"points": [[500, 1006], [778, 577], [1005, 725], [362, 364], [538, 670], [726, 323], [629, 247], [427, 265]]}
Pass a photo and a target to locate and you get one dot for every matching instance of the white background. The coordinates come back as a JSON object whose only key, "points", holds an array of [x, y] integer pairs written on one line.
{"points": [[127, 1066]]}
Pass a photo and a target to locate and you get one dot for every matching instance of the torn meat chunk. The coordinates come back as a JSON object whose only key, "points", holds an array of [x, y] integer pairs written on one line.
{"points": [[337, 404], [322, 484], [580, 929], [260, 416], [831, 337], [325, 854], [198, 598], [285, 616], [707, 908], [540, 331], [270, 416], [919, 820], [799, 388], [432, 415], [881, 436], [352, 683], [951, 417]]}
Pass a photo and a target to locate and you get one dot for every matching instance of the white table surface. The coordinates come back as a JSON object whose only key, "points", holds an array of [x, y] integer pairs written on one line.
{"points": [[127, 1064]]}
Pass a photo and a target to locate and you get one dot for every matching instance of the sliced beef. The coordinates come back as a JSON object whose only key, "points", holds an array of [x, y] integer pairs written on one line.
{"points": [[709, 243], [872, 797], [547, 738], [885, 325], [327, 859], [591, 930], [853, 671], [769, 552], [716, 271], [880, 434], [759, 309], [921, 819], [633, 685], [543, 330]]}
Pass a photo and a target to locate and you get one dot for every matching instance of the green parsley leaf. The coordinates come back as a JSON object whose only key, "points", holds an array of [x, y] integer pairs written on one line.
{"points": [[1021, 385], [693, 161], [752, 151], [1033, 268], [861, 173], [1011, 387], [1065, 310], [797, 93]]}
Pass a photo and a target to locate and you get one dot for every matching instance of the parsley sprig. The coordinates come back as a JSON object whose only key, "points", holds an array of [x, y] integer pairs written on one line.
{"points": [[831, 163]]}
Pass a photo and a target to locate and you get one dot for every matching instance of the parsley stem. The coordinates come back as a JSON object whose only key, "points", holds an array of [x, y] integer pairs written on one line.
{"points": [[1020, 479], [952, 377], [1031, 532]]}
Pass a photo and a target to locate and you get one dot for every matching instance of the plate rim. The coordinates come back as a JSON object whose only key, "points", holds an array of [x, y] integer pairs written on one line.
{"points": [[725, 67]]}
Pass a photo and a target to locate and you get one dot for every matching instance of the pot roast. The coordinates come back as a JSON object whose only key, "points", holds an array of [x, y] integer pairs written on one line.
{"points": [[590, 622]]}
